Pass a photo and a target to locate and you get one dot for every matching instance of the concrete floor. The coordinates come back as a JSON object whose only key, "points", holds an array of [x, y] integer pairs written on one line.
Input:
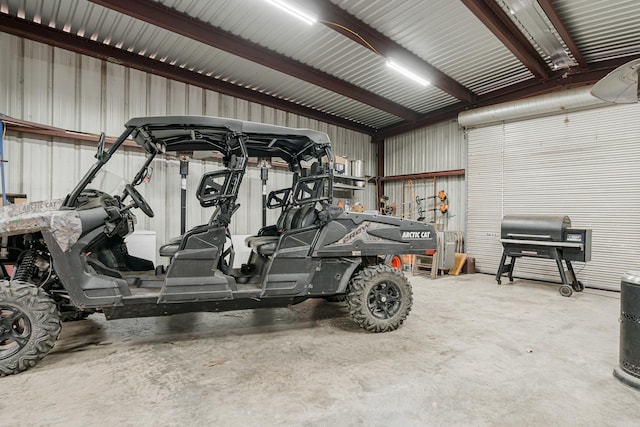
{"points": [[470, 353]]}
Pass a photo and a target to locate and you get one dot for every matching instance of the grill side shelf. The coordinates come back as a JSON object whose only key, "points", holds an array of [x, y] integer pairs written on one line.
{"points": [[543, 243]]}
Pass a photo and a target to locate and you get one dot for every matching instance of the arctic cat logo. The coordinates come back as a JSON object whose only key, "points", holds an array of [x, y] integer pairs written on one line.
{"points": [[416, 234]]}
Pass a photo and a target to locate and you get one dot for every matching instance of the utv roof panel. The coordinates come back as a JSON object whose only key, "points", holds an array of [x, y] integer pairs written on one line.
{"points": [[176, 129]]}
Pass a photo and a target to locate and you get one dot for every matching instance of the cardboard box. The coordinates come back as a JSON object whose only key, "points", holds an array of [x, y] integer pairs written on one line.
{"points": [[340, 164], [357, 208], [16, 198]]}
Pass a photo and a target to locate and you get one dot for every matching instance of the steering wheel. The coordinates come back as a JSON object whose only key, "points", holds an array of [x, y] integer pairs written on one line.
{"points": [[138, 200]]}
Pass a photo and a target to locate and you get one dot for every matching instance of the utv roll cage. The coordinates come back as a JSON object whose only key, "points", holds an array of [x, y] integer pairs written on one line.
{"points": [[236, 141]]}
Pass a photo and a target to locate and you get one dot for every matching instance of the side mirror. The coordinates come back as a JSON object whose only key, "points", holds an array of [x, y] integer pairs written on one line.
{"points": [[100, 153]]}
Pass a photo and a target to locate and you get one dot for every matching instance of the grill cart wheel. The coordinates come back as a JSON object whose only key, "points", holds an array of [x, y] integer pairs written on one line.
{"points": [[379, 298], [566, 291], [29, 326]]}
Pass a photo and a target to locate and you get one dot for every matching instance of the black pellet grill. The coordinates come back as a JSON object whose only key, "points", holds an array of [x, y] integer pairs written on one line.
{"points": [[547, 237]]}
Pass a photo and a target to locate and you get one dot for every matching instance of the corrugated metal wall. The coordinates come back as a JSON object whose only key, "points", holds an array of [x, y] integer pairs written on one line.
{"points": [[582, 164], [437, 148], [55, 87]]}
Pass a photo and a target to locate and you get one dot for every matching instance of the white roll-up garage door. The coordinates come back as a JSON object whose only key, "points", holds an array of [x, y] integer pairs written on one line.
{"points": [[584, 164]]}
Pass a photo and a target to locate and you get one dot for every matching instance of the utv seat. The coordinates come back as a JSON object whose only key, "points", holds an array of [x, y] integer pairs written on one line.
{"points": [[170, 248], [226, 186], [295, 218], [292, 217], [271, 233]]}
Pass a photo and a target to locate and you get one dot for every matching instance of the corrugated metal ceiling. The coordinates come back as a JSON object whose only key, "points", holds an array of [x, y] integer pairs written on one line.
{"points": [[317, 46], [446, 34], [602, 29], [131, 34]]}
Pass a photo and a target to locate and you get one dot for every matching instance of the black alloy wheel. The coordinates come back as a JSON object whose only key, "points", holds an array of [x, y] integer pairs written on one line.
{"points": [[15, 330], [384, 300]]}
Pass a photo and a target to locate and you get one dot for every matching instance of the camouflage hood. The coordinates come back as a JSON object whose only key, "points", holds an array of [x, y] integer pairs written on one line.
{"points": [[64, 225]]}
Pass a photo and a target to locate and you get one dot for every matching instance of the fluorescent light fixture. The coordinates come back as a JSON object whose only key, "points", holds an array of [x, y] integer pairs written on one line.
{"points": [[309, 19], [537, 27], [407, 73]]}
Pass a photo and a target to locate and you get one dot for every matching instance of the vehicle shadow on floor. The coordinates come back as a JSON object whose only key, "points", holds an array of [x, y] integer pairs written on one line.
{"points": [[96, 330], [78, 336]]}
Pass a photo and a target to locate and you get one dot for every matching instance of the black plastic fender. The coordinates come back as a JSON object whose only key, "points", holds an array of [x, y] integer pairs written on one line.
{"points": [[358, 234]]}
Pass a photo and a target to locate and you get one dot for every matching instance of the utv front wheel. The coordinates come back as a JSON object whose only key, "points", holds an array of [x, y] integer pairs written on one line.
{"points": [[379, 298], [29, 326]]}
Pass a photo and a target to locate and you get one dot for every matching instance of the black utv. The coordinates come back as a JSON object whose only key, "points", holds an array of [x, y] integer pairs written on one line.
{"points": [[66, 259]]}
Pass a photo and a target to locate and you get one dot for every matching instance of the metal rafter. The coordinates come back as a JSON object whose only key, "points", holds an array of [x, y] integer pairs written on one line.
{"points": [[562, 30], [532, 87], [497, 21], [161, 16], [74, 43], [349, 26]]}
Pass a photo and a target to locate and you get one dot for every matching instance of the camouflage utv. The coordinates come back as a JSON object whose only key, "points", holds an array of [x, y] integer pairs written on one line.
{"points": [[67, 259]]}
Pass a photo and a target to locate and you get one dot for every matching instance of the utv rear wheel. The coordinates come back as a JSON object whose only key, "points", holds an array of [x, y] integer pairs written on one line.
{"points": [[29, 326], [379, 298]]}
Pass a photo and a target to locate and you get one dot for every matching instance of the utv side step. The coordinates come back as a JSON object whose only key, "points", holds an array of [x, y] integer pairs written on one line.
{"points": [[136, 309]]}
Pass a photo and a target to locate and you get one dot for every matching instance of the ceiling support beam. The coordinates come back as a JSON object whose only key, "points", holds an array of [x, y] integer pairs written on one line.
{"points": [[562, 79], [494, 18], [553, 16], [433, 117], [51, 36], [532, 87], [161, 16], [351, 27]]}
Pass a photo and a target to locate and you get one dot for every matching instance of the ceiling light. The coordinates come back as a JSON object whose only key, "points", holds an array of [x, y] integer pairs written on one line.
{"points": [[540, 30], [309, 19], [407, 73]]}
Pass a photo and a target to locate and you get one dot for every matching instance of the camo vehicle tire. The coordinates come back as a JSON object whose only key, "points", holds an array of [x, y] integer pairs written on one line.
{"points": [[29, 326], [379, 298]]}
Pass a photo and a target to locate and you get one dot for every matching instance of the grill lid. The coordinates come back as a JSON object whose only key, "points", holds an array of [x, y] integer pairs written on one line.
{"points": [[534, 227]]}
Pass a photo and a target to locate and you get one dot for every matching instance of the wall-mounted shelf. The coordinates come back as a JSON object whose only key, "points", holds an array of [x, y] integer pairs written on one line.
{"points": [[347, 182]]}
